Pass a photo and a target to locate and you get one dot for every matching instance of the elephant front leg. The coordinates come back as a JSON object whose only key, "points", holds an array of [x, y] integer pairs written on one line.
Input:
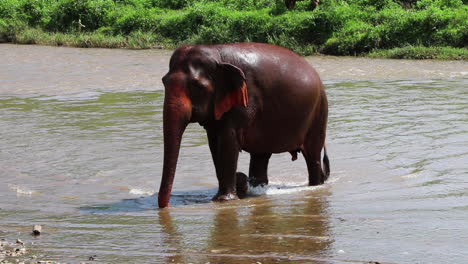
{"points": [[224, 148]]}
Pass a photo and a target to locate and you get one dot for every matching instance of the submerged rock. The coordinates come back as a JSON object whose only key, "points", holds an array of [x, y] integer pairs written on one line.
{"points": [[242, 185]]}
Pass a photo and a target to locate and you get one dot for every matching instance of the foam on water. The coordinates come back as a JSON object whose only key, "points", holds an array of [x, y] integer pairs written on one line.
{"points": [[137, 191], [21, 190], [73, 97], [277, 188], [411, 175]]}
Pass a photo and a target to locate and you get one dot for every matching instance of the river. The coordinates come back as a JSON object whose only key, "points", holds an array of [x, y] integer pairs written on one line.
{"points": [[81, 155]]}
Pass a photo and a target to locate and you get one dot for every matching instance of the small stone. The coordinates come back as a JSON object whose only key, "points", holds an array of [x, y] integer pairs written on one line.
{"points": [[20, 250], [18, 241], [37, 229], [216, 251]]}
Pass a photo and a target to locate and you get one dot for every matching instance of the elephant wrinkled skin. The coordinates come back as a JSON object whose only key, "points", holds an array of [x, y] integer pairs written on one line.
{"points": [[255, 97]]}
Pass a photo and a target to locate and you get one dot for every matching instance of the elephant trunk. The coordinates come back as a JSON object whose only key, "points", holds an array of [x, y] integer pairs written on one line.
{"points": [[176, 116]]}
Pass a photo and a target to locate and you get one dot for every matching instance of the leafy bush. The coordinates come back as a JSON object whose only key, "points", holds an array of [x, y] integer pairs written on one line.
{"points": [[172, 4], [423, 4], [8, 8], [128, 20], [79, 15], [341, 27], [35, 12], [10, 28]]}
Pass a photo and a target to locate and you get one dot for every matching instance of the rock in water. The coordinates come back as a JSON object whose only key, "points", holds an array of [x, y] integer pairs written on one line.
{"points": [[242, 185], [37, 229]]}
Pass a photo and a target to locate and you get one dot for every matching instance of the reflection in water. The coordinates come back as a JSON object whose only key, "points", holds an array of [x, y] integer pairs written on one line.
{"points": [[266, 231], [171, 238]]}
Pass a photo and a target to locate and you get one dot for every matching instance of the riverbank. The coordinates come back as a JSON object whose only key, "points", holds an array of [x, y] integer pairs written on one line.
{"points": [[387, 29], [142, 40]]}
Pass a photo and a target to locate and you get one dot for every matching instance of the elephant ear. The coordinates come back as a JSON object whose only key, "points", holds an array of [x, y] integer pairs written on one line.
{"points": [[231, 89]]}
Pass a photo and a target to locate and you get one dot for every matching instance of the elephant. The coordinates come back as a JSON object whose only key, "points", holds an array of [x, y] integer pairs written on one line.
{"points": [[253, 97]]}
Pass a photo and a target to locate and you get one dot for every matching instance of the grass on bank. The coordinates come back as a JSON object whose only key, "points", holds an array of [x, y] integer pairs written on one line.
{"points": [[135, 40], [142, 40], [390, 28], [422, 53]]}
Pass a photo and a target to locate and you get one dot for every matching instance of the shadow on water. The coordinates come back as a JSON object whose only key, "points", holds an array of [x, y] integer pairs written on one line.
{"points": [[144, 203], [188, 198]]}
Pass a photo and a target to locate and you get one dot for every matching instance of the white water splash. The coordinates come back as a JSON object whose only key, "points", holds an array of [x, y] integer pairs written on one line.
{"points": [[275, 188], [20, 190], [137, 191], [411, 175]]}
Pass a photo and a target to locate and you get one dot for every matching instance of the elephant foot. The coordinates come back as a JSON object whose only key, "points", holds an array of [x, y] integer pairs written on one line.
{"points": [[254, 182], [242, 185], [225, 197]]}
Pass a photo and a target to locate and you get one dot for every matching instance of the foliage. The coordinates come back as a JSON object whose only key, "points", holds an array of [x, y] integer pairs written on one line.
{"points": [[82, 15], [340, 27]]}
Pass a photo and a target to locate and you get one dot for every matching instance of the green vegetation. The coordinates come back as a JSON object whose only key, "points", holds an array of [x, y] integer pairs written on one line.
{"points": [[422, 53], [382, 28]]}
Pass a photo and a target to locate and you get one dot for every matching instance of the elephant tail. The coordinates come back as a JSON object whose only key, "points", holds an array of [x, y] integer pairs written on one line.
{"points": [[326, 164]]}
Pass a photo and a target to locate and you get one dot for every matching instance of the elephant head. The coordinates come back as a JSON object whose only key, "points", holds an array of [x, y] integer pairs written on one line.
{"points": [[199, 87]]}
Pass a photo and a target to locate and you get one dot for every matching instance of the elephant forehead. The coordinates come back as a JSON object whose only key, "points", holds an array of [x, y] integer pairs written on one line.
{"points": [[194, 65]]}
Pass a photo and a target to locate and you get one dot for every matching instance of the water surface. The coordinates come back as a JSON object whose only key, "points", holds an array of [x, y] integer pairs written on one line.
{"points": [[81, 154]]}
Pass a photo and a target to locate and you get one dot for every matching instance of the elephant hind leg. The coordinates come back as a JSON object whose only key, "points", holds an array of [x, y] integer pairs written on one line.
{"points": [[258, 170], [314, 167], [313, 145]]}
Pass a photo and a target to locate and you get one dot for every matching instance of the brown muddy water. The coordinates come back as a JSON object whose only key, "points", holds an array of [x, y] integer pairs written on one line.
{"points": [[81, 154]]}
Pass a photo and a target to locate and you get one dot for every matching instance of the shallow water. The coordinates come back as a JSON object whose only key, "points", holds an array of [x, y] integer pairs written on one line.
{"points": [[81, 154]]}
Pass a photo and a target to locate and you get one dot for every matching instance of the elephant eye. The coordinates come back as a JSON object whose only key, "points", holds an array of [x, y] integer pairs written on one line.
{"points": [[199, 89], [195, 84]]}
